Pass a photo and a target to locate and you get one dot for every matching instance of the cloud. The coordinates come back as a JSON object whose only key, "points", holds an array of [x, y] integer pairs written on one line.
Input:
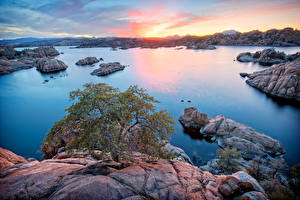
{"points": [[134, 18]]}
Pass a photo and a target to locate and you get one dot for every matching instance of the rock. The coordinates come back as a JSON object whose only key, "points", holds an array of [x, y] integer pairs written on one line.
{"points": [[40, 52], [240, 182], [267, 57], [8, 52], [108, 68], [87, 61], [247, 182], [8, 158], [281, 80], [81, 178], [253, 195], [178, 152], [193, 119], [245, 57], [25, 59], [31, 159], [9, 66], [201, 45], [47, 65], [229, 133], [244, 75], [101, 59]]}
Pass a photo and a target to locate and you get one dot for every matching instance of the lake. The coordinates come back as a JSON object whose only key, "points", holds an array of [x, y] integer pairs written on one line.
{"points": [[208, 78]]}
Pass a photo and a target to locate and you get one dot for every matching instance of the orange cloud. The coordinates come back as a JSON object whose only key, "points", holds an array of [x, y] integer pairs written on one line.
{"points": [[161, 22]]}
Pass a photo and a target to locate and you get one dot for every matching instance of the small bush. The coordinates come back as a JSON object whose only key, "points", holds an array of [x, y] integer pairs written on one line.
{"points": [[227, 159]]}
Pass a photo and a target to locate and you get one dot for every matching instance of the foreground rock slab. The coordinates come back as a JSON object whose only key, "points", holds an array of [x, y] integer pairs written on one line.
{"points": [[281, 80], [80, 178], [48, 65], [87, 61], [267, 57], [8, 158], [108, 68]]}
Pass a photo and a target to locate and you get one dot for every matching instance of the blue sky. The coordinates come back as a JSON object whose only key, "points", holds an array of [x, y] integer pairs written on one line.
{"points": [[143, 18]]}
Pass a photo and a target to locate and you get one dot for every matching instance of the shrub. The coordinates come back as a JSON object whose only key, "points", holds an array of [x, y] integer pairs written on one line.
{"points": [[227, 158], [103, 118]]}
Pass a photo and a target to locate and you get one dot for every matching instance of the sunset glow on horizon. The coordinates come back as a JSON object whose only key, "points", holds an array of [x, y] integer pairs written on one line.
{"points": [[134, 18]]}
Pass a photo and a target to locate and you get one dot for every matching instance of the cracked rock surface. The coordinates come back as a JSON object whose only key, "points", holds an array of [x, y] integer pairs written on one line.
{"points": [[281, 80], [82, 178]]}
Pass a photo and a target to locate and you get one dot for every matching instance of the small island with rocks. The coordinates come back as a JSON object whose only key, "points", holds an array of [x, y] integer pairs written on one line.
{"points": [[87, 61], [108, 68], [41, 58], [267, 57]]}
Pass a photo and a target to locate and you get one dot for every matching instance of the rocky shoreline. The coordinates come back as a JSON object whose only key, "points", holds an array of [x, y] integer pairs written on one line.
{"points": [[267, 57], [139, 178], [281, 80], [253, 145]]}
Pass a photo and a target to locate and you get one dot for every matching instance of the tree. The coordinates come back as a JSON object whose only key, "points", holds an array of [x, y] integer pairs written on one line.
{"points": [[103, 118], [227, 157]]}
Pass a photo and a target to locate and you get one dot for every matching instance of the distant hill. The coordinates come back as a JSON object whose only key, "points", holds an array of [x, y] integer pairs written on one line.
{"points": [[274, 37], [31, 39]]}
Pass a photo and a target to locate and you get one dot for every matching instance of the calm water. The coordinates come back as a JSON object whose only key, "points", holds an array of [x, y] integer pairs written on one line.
{"points": [[210, 79]]}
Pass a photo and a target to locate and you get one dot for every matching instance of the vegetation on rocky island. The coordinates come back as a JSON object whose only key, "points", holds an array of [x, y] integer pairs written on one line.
{"points": [[227, 158], [106, 119]]}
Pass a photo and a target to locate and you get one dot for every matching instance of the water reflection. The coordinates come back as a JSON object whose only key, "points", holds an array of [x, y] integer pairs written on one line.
{"points": [[209, 79]]}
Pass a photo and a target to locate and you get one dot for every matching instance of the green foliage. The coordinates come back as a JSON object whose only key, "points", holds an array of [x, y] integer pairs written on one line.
{"points": [[276, 191], [227, 158], [103, 118]]}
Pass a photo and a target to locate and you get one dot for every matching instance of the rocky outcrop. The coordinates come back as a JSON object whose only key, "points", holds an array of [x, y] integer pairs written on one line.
{"points": [[48, 65], [281, 80], [192, 118], [8, 52], [9, 66], [12, 60], [140, 178], [178, 153], [108, 68], [204, 46], [8, 158], [40, 52], [267, 57], [87, 61], [228, 133]]}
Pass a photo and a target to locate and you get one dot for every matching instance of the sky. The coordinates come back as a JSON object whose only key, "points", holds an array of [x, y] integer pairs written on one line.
{"points": [[142, 18]]}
